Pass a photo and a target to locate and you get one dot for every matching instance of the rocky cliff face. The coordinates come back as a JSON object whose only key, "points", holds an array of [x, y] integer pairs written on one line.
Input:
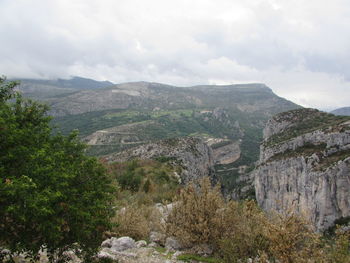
{"points": [[305, 165], [192, 154]]}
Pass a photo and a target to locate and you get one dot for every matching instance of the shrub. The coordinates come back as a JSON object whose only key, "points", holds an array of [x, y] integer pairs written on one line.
{"points": [[339, 250], [241, 230], [243, 237], [195, 218], [292, 239], [132, 177], [137, 221], [132, 221], [130, 180]]}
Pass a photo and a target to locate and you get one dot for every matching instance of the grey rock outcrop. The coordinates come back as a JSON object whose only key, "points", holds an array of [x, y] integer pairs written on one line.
{"points": [[119, 244], [306, 169], [171, 244], [157, 237], [193, 156], [227, 154]]}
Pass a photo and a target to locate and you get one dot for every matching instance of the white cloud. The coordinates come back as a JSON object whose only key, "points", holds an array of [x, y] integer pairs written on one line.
{"points": [[301, 49]]}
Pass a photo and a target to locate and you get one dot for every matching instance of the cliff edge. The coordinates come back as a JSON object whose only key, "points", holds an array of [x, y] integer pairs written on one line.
{"points": [[305, 165]]}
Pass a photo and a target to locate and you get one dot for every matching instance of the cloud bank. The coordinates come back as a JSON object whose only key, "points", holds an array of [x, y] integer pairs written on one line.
{"points": [[301, 49]]}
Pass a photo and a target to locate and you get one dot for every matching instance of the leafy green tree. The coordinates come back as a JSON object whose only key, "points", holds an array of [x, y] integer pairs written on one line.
{"points": [[51, 194], [131, 179]]}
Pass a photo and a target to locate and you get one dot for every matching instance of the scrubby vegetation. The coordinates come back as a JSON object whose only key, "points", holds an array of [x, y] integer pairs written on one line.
{"points": [[143, 184], [304, 121], [331, 159], [234, 231], [306, 150], [238, 231], [136, 178]]}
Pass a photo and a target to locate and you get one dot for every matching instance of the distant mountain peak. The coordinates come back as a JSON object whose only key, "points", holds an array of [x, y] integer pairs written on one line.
{"points": [[342, 111]]}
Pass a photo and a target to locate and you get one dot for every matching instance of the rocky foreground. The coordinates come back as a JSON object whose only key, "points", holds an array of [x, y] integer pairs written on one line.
{"points": [[126, 250]]}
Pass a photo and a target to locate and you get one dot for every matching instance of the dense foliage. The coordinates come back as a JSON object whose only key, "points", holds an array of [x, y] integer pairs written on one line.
{"points": [[51, 194]]}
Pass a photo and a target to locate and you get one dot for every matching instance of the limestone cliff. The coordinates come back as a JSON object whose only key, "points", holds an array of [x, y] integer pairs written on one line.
{"points": [[192, 154], [305, 165]]}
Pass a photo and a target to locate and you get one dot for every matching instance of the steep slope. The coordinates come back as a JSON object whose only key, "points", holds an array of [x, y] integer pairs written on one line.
{"points": [[345, 111], [191, 154], [305, 165]]}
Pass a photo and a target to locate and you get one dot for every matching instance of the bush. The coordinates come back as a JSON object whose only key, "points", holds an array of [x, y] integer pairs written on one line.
{"points": [[51, 194], [292, 239], [241, 230], [132, 221], [137, 221], [243, 237], [195, 219], [131, 178], [339, 250]]}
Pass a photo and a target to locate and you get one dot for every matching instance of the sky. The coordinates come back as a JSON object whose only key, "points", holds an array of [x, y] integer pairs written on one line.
{"points": [[299, 48]]}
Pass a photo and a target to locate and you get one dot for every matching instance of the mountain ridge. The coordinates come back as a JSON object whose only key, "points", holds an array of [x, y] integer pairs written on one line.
{"points": [[341, 111], [114, 118]]}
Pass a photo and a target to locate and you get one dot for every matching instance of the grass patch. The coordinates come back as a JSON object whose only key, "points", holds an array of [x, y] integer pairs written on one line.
{"points": [[161, 250], [191, 257], [332, 159], [305, 150]]}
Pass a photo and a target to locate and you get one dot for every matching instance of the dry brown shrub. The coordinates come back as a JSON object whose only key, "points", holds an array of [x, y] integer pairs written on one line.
{"points": [[235, 230], [195, 219], [243, 237], [339, 251], [293, 239], [136, 221], [241, 230]]}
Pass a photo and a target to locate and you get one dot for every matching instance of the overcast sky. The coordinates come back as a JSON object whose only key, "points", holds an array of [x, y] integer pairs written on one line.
{"points": [[299, 48]]}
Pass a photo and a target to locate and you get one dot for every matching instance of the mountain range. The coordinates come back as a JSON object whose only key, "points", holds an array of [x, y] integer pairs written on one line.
{"points": [[114, 117], [258, 145]]}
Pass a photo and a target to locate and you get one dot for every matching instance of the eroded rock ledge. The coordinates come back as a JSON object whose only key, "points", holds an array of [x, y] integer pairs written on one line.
{"points": [[193, 155], [305, 165]]}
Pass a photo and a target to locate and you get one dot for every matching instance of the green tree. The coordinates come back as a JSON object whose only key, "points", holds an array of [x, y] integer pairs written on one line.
{"points": [[51, 194], [131, 178]]}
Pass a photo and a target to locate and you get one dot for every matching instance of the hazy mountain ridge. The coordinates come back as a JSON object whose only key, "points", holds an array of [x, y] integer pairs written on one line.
{"points": [[49, 89], [147, 96], [342, 111]]}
